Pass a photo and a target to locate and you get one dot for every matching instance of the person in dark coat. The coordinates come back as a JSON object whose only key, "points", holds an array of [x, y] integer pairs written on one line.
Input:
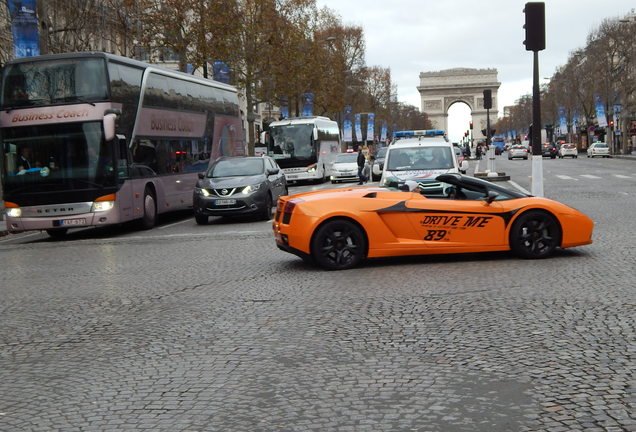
{"points": [[361, 162]]}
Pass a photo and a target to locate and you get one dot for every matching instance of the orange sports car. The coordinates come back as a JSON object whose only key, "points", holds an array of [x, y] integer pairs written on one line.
{"points": [[338, 228]]}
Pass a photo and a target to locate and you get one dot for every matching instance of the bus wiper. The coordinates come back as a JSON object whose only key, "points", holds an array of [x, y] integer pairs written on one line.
{"points": [[73, 98], [89, 183], [27, 102]]}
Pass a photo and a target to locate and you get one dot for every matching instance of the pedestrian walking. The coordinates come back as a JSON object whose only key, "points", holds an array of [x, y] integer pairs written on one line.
{"points": [[361, 163]]}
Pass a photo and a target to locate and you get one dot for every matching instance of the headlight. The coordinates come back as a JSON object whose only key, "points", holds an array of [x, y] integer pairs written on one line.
{"points": [[14, 212], [99, 206], [202, 191], [251, 188], [312, 168]]}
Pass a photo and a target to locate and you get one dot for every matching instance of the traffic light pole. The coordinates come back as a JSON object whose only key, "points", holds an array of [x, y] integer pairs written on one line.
{"points": [[537, 158]]}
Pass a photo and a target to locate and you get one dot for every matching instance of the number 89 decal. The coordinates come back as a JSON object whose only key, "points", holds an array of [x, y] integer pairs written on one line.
{"points": [[435, 235]]}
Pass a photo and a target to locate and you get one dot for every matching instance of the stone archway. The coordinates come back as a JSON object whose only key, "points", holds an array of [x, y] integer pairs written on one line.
{"points": [[439, 90]]}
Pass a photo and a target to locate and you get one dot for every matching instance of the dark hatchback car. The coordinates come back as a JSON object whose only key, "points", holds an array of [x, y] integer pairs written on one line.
{"points": [[549, 150], [239, 186]]}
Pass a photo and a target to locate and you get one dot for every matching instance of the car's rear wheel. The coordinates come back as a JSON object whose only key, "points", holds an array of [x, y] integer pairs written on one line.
{"points": [[535, 234], [338, 245]]}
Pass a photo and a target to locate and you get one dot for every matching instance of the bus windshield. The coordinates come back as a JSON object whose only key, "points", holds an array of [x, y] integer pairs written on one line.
{"points": [[56, 157], [54, 81], [293, 143]]}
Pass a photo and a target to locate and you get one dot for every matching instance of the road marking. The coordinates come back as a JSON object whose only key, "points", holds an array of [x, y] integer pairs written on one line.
{"points": [[9, 238], [590, 176], [519, 187], [622, 176], [173, 224], [566, 177]]}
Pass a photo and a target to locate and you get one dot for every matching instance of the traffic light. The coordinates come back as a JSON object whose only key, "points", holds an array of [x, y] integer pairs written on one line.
{"points": [[471, 125], [611, 123], [487, 99], [535, 26]]}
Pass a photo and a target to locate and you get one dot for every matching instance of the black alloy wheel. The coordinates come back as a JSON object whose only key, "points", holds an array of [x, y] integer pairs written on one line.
{"points": [[338, 245], [535, 234]]}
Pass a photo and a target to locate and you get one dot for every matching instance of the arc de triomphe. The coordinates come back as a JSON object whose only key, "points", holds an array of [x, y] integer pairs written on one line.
{"points": [[440, 90]]}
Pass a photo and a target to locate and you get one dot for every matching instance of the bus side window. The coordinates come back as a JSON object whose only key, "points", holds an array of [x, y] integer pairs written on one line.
{"points": [[122, 158]]}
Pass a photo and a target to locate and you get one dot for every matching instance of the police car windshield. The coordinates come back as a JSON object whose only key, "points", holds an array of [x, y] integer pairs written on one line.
{"points": [[420, 158]]}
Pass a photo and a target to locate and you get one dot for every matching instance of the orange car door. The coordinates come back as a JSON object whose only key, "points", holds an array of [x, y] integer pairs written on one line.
{"points": [[456, 223]]}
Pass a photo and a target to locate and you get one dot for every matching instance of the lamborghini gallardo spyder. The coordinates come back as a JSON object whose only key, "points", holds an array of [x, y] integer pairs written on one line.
{"points": [[338, 228]]}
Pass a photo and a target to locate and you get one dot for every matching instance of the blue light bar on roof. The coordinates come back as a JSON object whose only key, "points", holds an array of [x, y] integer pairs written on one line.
{"points": [[414, 133]]}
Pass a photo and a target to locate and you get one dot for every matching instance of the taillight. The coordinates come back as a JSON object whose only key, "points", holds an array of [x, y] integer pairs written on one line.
{"points": [[289, 209]]}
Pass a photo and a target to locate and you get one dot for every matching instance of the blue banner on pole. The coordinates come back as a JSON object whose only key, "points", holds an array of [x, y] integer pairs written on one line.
{"points": [[563, 123], [383, 131], [221, 72], [358, 129], [600, 110], [308, 104], [346, 127], [370, 126], [24, 27]]}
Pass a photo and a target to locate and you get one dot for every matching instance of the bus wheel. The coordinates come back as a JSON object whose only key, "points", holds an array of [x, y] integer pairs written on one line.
{"points": [[150, 210], [57, 233]]}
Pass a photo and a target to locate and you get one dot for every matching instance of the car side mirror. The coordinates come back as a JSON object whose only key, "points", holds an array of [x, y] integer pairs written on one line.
{"points": [[201, 176], [492, 195], [272, 171]]}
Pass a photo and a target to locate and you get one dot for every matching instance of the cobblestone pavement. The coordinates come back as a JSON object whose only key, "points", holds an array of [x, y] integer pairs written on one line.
{"points": [[213, 329]]}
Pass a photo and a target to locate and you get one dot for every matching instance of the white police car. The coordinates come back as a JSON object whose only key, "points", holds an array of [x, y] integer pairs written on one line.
{"points": [[420, 155]]}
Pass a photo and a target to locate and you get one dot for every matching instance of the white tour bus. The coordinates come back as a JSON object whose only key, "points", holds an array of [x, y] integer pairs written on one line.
{"points": [[304, 147], [420, 155], [92, 139]]}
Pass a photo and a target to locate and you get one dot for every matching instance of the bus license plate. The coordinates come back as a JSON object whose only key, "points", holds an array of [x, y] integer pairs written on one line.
{"points": [[67, 222], [225, 202], [291, 176]]}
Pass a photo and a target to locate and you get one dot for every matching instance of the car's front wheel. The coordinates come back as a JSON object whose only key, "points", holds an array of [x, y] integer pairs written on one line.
{"points": [[535, 234], [201, 219], [267, 211], [338, 244]]}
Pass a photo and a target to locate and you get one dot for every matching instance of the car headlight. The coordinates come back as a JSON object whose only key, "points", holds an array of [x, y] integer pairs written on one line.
{"points": [[250, 188], [14, 212], [202, 191], [312, 168], [99, 206]]}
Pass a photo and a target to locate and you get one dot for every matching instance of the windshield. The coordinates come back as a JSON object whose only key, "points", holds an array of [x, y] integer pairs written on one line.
{"points": [[420, 158], [292, 143], [56, 157], [54, 81], [236, 168], [346, 157]]}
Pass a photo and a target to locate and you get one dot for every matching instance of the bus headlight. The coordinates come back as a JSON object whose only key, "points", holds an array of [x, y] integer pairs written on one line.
{"points": [[100, 206], [251, 188], [312, 168], [14, 212]]}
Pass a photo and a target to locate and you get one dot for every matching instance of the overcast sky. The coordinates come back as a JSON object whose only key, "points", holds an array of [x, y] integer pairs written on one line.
{"points": [[413, 36]]}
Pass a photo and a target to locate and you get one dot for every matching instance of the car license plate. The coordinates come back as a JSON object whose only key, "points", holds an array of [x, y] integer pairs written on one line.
{"points": [[225, 202], [291, 176], [67, 222]]}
